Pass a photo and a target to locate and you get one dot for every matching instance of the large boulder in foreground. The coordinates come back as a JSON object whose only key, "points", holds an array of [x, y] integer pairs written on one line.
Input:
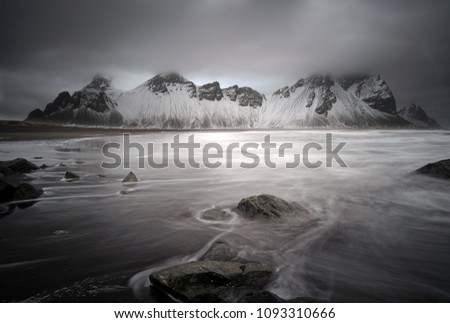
{"points": [[220, 251], [270, 207], [211, 281], [440, 169]]}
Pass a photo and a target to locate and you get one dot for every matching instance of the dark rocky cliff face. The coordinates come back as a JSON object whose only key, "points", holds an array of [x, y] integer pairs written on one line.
{"points": [[320, 87], [89, 106], [371, 89], [283, 92], [61, 101], [246, 96], [160, 83], [210, 91]]}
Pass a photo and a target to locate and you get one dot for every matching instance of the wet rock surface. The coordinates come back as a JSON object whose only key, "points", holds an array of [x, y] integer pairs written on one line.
{"points": [[220, 275], [211, 281], [130, 178], [70, 177], [18, 165], [14, 184], [268, 206], [440, 169], [26, 191], [216, 215], [220, 251]]}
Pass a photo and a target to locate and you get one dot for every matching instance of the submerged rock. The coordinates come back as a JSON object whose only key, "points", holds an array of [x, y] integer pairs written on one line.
{"points": [[211, 281], [23, 191], [14, 186], [60, 232], [5, 171], [440, 169], [26, 191], [216, 215], [270, 207], [18, 165], [130, 178], [69, 176], [6, 210], [220, 251], [6, 191]]}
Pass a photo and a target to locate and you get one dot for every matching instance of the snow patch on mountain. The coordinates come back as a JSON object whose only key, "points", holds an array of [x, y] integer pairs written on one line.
{"points": [[320, 101], [170, 101]]}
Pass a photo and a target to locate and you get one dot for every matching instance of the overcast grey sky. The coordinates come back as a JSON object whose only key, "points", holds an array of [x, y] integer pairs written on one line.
{"points": [[48, 46]]}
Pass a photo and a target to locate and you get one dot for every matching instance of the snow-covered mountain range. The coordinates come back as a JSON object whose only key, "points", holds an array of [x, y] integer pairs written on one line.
{"points": [[169, 101]]}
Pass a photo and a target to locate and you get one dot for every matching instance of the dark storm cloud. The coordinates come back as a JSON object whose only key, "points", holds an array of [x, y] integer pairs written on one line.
{"points": [[54, 45]]}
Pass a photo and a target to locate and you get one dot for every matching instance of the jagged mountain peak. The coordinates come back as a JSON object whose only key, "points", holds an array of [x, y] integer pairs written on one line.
{"points": [[100, 83], [374, 91], [346, 81], [325, 100], [210, 91], [417, 116], [370, 88], [318, 80], [168, 78], [313, 81], [61, 101], [89, 106], [159, 83], [246, 96]]}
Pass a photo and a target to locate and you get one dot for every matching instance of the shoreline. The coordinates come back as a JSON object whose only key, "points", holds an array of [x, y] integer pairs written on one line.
{"points": [[26, 131]]}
